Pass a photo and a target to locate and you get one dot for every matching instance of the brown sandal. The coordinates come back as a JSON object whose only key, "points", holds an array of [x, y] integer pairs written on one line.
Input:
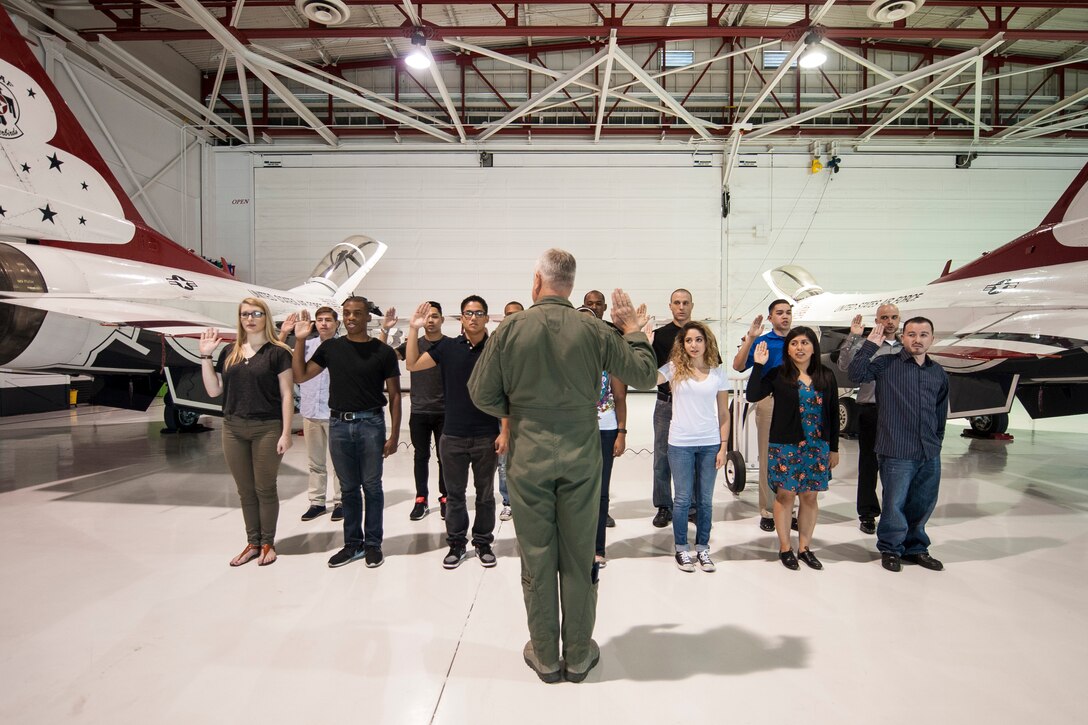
{"points": [[251, 552], [267, 549]]}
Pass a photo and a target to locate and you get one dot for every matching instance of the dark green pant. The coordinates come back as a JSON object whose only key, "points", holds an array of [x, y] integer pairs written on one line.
{"points": [[250, 449], [554, 475]]}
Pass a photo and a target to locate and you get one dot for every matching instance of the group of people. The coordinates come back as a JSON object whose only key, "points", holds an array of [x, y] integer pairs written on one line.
{"points": [[542, 400]]}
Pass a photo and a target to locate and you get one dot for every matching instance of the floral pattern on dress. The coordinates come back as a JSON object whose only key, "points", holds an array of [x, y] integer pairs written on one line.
{"points": [[605, 400], [805, 466]]}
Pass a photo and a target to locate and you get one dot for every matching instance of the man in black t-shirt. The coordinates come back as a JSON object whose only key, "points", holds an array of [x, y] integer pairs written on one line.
{"points": [[428, 414], [358, 368], [680, 304], [470, 437]]}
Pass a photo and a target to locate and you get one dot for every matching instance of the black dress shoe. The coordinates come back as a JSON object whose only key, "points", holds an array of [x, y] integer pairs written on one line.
{"points": [[890, 561], [810, 559], [868, 526], [766, 523], [663, 517], [924, 560], [789, 560], [609, 522]]}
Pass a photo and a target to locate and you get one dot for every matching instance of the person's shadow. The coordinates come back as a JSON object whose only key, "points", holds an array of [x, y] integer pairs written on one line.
{"points": [[651, 652]]}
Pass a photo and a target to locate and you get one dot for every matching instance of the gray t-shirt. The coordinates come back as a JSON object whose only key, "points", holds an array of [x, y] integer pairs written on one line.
{"points": [[426, 385]]}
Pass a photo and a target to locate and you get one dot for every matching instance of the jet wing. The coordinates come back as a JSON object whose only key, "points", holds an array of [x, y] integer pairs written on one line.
{"points": [[170, 321], [1022, 334]]}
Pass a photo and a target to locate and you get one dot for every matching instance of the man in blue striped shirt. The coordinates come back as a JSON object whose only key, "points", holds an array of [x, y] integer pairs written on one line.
{"points": [[913, 394]]}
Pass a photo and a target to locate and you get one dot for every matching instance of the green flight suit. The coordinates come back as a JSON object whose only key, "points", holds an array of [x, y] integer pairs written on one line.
{"points": [[542, 370]]}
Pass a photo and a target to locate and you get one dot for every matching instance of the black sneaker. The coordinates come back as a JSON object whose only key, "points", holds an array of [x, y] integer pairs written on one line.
{"points": [[766, 523], [454, 558], [313, 512], [337, 513], [346, 555], [868, 526], [609, 522], [420, 509], [442, 507], [374, 557], [663, 518], [890, 561], [485, 555]]}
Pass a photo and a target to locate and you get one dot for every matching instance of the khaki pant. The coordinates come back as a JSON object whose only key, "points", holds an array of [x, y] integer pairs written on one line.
{"points": [[554, 477], [250, 449], [315, 432], [764, 411]]}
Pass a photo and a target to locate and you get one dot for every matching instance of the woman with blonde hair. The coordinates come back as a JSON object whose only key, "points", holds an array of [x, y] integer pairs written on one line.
{"points": [[698, 435], [253, 374]]}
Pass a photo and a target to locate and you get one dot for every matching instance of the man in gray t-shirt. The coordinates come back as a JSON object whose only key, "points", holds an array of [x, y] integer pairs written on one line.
{"points": [[428, 416]]}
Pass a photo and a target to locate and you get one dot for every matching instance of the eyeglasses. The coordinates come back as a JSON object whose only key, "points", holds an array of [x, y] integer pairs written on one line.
{"points": [[473, 313], [255, 314]]}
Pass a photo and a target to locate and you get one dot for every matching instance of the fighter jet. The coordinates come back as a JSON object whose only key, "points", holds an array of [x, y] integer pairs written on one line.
{"points": [[1012, 323], [87, 287]]}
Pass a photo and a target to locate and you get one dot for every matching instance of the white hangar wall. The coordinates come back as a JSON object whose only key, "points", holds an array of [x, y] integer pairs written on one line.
{"points": [[647, 221]]}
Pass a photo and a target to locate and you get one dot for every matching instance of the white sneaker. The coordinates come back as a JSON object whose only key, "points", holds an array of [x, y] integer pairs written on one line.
{"points": [[704, 561], [506, 514], [684, 562]]}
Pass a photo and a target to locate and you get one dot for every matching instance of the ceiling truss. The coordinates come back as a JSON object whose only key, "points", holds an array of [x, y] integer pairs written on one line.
{"points": [[595, 70]]}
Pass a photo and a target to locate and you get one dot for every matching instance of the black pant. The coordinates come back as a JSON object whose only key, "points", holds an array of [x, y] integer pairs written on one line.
{"points": [[608, 442], [868, 502], [457, 455], [422, 427]]}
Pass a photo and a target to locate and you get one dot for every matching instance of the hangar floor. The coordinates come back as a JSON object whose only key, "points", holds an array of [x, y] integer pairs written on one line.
{"points": [[121, 608]]}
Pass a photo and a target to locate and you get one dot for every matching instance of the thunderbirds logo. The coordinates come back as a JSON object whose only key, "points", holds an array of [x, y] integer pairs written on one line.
{"points": [[9, 111]]}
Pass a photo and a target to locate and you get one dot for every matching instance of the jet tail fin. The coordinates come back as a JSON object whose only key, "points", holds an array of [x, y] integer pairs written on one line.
{"points": [[56, 188]]}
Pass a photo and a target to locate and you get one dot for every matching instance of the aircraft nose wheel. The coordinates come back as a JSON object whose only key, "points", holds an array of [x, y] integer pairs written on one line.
{"points": [[734, 472]]}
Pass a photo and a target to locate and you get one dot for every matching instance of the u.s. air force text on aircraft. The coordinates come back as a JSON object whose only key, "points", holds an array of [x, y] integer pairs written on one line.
{"points": [[902, 299], [281, 298]]}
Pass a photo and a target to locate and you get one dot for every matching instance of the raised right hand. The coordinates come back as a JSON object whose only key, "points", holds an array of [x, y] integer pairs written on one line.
{"points": [[303, 325], [761, 354], [877, 335], [209, 340], [857, 327], [757, 328], [419, 316]]}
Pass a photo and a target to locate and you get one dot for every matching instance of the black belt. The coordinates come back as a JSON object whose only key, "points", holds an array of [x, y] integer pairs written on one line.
{"points": [[350, 415], [866, 405], [667, 397]]}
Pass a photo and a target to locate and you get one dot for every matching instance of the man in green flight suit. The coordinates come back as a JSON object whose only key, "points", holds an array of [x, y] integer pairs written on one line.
{"points": [[542, 370]]}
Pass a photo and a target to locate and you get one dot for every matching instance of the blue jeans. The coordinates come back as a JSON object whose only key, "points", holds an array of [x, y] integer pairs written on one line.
{"points": [[910, 495], [356, 449], [690, 465], [503, 490]]}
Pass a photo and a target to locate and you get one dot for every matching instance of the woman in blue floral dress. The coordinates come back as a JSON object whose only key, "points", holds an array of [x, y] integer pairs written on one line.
{"points": [[804, 437]]}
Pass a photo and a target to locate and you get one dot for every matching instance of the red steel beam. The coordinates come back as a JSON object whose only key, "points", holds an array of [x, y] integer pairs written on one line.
{"points": [[1033, 4], [643, 32]]}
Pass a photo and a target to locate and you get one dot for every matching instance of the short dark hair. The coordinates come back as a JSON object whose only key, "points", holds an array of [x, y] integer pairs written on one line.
{"points": [[360, 299], [474, 298], [681, 289], [327, 311], [776, 303], [918, 321], [513, 302], [436, 305]]}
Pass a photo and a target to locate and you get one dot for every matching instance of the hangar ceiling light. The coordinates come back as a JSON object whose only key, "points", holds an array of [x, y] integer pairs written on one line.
{"points": [[889, 11]]}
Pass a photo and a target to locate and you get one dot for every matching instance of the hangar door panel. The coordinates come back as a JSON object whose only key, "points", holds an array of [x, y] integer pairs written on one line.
{"points": [[455, 231]]}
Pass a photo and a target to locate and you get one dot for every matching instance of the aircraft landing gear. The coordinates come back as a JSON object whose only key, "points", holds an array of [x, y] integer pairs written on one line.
{"points": [[735, 472], [180, 420], [990, 427]]}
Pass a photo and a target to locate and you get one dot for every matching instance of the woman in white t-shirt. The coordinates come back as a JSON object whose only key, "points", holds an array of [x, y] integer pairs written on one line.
{"points": [[698, 434]]}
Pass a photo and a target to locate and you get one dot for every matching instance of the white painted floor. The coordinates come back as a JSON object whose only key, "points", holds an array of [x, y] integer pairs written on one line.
{"points": [[119, 606]]}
